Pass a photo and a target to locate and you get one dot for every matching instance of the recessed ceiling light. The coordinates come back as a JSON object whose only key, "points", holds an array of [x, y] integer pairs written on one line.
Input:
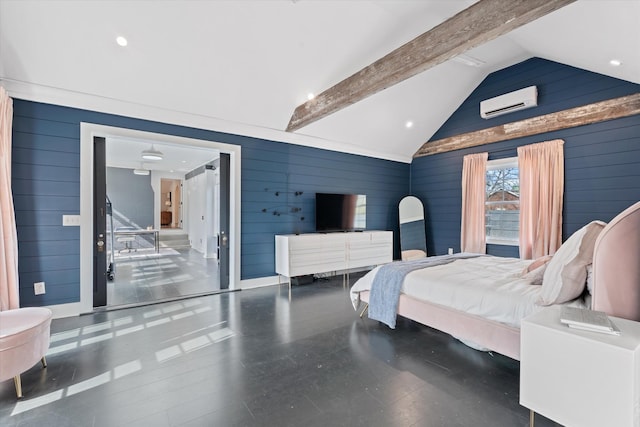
{"points": [[615, 62], [310, 96], [408, 124], [121, 41]]}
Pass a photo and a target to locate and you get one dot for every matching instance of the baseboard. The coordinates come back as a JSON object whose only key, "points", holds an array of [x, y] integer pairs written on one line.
{"points": [[65, 310], [262, 282]]}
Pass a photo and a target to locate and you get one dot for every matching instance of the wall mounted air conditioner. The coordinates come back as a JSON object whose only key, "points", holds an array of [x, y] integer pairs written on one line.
{"points": [[509, 102]]}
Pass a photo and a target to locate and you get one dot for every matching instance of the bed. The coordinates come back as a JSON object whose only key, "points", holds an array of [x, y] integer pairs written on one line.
{"points": [[481, 299]]}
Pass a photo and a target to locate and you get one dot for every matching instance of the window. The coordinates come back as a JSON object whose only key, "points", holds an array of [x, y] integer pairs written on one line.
{"points": [[502, 202]]}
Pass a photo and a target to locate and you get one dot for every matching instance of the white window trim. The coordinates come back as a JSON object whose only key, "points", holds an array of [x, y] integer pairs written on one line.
{"points": [[494, 241], [509, 162]]}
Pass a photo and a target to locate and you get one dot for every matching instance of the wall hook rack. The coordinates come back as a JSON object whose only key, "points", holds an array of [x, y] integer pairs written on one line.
{"points": [[278, 193], [285, 209]]}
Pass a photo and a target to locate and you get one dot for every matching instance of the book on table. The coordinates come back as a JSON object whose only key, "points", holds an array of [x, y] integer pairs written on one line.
{"points": [[587, 320]]}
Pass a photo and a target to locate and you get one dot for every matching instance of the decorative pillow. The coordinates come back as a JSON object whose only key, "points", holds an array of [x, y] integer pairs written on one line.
{"points": [[536, 275], [543, 260], [566, 273]]}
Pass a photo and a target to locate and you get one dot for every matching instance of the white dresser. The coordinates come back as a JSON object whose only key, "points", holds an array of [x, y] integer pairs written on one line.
{"points": [[580, 378], [301, 254]]}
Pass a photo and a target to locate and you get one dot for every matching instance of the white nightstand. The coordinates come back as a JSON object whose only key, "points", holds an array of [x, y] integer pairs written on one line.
{"points": [[580, 378]]}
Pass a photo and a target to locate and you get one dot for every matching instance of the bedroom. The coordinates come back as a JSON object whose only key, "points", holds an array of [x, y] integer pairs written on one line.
{"points": [[604, 170]]}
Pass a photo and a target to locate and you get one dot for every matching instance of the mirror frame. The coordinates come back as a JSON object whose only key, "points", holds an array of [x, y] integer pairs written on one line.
{"points": [[413, 241]]}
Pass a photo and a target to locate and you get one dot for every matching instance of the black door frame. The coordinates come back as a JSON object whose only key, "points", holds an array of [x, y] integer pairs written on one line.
{"points": [[224, 212], [99, 223]]}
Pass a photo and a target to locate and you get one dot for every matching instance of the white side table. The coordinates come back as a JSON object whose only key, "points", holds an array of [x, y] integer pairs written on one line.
{"points": [[580, 378]]}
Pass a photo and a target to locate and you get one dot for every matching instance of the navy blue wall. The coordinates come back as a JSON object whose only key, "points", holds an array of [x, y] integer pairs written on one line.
{"points": [[46, 185], [602, 161]]}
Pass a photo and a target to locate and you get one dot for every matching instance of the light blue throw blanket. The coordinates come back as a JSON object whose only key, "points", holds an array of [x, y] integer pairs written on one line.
{"points": [[386, 285]]}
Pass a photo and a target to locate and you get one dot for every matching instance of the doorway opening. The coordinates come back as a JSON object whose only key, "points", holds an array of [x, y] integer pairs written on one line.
{"points": [[170, 203], [155, 267]]}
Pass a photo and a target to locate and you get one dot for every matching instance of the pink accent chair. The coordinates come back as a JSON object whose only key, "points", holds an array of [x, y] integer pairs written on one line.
{"points": [[24, 339]]}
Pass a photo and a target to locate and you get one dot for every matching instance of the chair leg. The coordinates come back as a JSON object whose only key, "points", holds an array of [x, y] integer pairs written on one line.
{"points": [[18, 384], [44, 362]]}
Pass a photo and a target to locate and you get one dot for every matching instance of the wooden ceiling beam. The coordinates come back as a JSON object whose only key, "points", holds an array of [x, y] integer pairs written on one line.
{"points": [[481, 22], [587, 114]]}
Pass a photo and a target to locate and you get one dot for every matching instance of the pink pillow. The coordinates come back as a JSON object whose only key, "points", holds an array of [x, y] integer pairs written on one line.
{"points": [[537, 264], [534, 272], [535, 277], [566, 273]]}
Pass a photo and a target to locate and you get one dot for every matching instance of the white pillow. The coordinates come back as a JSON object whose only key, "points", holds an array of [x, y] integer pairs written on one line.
{"points": [[566, 273]]}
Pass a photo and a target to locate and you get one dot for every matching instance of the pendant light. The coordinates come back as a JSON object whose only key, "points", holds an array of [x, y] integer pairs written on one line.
{"points": [[152, 154], [141, 171]]}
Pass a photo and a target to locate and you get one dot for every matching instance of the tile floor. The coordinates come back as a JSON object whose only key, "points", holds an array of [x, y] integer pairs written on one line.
{"points": [[144, 276], [254, 358]]}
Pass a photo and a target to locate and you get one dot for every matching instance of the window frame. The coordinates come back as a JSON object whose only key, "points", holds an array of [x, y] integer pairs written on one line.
{"points": [[509, 162]]}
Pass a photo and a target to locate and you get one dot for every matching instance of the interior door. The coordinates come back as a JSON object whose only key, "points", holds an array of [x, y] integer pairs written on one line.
{"points": [[99, 223], [224, 207]]}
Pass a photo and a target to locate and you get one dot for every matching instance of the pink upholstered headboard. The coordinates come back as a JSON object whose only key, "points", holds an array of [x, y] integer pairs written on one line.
{"points": [[616, 266]]}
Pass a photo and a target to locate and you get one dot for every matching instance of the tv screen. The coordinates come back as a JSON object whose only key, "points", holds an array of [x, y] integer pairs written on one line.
{"points": [[341, 212]]}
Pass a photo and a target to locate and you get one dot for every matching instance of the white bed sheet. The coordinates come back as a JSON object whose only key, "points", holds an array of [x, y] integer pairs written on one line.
{"points": [[486, 286]]}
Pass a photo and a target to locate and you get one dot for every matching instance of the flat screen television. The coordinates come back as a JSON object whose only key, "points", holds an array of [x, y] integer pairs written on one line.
{"points": [[341, 212]]}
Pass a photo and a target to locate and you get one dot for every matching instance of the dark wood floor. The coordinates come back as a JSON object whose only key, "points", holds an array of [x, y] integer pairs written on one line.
{"points": [[252, 358]]}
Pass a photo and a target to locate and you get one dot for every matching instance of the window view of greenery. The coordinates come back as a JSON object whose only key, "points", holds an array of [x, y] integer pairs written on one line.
{"points": [[502, 204]]}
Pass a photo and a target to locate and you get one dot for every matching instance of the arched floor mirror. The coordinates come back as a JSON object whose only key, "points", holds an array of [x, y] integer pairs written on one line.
{"points": [[413, 239]]}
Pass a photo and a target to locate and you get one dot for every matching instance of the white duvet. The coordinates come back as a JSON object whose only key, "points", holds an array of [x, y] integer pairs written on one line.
{"points": [[487, 286]]}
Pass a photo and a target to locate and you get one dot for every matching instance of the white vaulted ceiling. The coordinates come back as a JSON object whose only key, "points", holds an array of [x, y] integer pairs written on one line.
{"points": [[244, 66]]}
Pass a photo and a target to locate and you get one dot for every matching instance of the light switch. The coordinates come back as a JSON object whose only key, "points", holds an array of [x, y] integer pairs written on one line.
{"points": [[71, 220]]}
